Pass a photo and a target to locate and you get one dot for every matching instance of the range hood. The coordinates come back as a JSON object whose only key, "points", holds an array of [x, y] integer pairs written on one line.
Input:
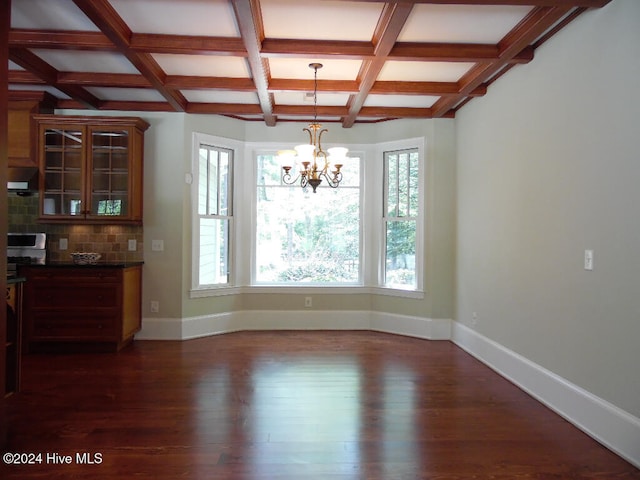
{"points": [[22, 179]]}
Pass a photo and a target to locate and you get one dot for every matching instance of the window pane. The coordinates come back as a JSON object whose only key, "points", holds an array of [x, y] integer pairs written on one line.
{"points": [[213, 183], [400, 261], [214, 241], [401, 213], [203, 176], [223, 186], [303, 236], [413, 185], [401, 170]]}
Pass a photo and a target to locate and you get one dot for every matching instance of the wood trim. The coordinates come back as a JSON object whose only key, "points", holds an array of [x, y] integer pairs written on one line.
{"points": [[31, 62], [249, 20], [391, 22], [109, 22], [531, 27]]}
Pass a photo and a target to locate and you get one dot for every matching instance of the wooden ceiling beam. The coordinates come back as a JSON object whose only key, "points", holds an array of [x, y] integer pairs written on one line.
{"points": [[103, 15], [390, 24], [24, 77], [188, 44], [225, 108], [308, 110], [118, 80], [186, 82], [278, 47], [49, 75], [296, 85], [436, 89], [59, 40], [271, 48], [396, 112], [531, 27], [533, 3], [452, 52], [249, 20]]}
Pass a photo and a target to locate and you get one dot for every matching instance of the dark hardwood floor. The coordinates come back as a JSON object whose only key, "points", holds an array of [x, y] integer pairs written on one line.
{"points": [[289, 405]]}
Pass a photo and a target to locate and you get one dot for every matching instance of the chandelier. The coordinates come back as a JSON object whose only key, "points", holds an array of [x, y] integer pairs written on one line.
{"points": [[314, 163]]}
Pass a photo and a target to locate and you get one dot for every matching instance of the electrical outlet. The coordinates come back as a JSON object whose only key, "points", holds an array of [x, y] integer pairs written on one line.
{"points": [[474, 318], [63, 244], [132, 245], [308, 302], [157, 245], [155, 306]]}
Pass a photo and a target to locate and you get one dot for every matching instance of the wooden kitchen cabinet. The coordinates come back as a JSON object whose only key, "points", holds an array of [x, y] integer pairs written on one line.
{"points": [[22, 140], [81, 308], [91, 169]]}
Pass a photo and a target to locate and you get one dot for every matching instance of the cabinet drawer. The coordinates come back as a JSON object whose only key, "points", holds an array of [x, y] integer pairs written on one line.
{"points": [[71, 297], [70, 325], [71, 275]]}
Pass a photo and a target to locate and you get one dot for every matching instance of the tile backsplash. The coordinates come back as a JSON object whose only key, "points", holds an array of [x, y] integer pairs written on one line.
{"points": [[112, 241]]}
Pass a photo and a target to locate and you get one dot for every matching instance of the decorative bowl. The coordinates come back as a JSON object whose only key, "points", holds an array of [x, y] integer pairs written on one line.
{"points": [[85, 258]]}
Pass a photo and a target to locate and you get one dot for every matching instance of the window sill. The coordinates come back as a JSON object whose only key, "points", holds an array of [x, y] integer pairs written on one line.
{"points": [[307, 289]]}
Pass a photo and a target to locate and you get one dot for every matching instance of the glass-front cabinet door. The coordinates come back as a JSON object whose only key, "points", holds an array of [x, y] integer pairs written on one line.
{"points": [[91, 169], [63, 171], [109, 191]]}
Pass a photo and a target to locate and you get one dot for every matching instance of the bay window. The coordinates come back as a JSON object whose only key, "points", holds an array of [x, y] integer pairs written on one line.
{"points": [[367, 233]]}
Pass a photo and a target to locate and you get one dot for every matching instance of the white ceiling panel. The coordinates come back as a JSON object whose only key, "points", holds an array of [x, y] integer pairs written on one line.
{"points": [[409, 101], [299, 98], [83, 61], [39, 88], [126, 94], [461, 23], [52, 15], [423, 71], [203, 65], [14, 66], [298, 68], [185, 17], [321, 120], [320, 20], [218, 96]]}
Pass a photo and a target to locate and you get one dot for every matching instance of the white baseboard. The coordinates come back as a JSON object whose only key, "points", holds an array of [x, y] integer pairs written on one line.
{"points": [[201, 326], [615, 428]]}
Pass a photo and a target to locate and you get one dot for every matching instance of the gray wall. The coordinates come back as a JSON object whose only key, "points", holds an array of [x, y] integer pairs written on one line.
{"points": [[548, 166]]}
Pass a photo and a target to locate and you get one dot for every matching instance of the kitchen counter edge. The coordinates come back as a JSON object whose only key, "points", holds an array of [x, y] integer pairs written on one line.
{"points": [[92, 265]]}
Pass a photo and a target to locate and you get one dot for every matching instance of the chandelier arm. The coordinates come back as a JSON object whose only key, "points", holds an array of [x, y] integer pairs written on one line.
{"points": [[320, 142], [288, 179], [310, 135]]}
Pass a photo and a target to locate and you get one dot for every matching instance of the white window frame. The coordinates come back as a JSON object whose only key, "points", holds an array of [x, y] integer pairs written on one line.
{"points": [[403, 145], [198, 290]]}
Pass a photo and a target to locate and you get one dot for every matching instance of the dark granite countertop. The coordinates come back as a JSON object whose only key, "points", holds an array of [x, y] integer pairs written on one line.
{"points": [[12, 279], [67, 264]]}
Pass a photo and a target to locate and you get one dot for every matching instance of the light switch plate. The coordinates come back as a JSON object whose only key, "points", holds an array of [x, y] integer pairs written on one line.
{"points": [[63, 244], [132, 245], [588, 260]]}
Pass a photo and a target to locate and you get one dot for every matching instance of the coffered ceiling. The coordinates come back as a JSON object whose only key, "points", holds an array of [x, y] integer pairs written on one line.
{"points": [[249, 59]]}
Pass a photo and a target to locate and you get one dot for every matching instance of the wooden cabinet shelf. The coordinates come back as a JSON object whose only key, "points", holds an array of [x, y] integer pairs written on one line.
{"points": [[91, 169], [88, 308]]}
